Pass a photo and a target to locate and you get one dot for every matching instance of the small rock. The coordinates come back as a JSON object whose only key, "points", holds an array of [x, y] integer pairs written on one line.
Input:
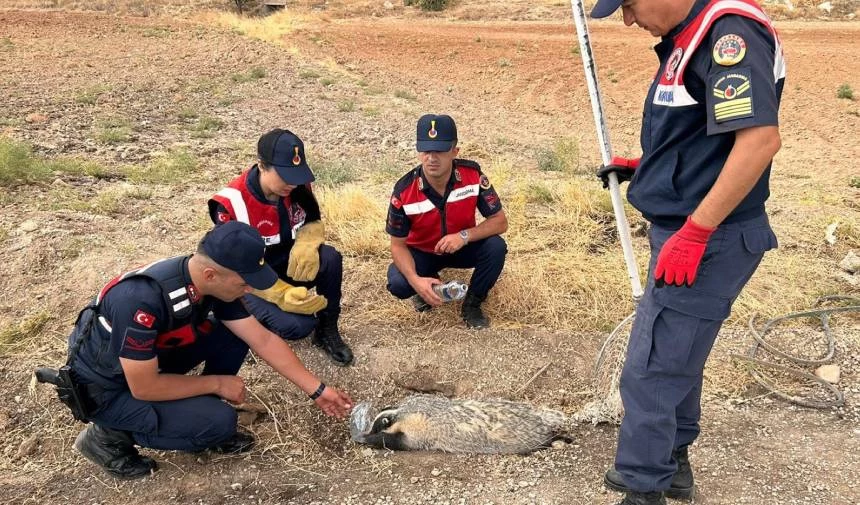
{"points": [[18, 398], [830, 373], [36, 117], [28, 446], [413, 480], [830, 233], [236, 486], [851, 263], [29, 225], [435, 472], [826, 7], [388, 5]]}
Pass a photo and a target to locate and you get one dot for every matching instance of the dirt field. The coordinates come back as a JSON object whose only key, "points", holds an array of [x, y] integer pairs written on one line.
{"points": [[125, 91]]}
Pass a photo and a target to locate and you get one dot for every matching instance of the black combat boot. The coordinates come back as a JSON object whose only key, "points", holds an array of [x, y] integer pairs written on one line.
{"points": [[472, 313], [114, 451], [238, 443], [328, 337], [637, 498], [420, 304], [682, 487]]}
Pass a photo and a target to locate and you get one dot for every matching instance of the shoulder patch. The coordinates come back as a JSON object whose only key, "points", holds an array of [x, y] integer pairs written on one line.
{"points": [[729, 50], [144, 318], [485, 182], [396, 202], [732, 91]]}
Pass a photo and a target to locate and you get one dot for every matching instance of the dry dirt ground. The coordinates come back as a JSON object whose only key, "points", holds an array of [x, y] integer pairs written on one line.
{"points": [[355, 86]]}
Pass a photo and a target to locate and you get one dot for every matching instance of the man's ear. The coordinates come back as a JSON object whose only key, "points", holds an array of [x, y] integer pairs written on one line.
{"points": [[455, 150], [209, 274]]}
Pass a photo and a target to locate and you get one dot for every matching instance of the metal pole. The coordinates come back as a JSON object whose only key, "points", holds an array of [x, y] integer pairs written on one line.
{"points": [[605, 147]]}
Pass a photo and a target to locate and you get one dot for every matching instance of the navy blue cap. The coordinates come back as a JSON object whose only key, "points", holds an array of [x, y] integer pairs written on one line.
{"points": [[285, 151], [436, 133], [240, 248], [605, 8]]}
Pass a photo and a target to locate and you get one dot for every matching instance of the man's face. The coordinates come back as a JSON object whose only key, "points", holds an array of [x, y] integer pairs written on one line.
{"points": [[227, 285], [658, 17], [437, 165]]}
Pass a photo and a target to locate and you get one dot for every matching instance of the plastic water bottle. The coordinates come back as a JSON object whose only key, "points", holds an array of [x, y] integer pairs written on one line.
{"points": [[451, 291]]}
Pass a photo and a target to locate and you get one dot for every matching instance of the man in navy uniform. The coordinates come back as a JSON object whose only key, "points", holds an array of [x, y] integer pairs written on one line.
{"points": [[709, 133], [431, 220], [275, 197], [133, 344]]}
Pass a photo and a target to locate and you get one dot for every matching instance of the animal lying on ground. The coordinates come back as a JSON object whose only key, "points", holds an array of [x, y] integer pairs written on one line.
{"points": [[435, 423]]}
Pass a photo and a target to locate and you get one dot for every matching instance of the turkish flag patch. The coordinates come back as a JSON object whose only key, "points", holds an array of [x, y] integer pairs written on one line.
{"points": [[193, 294], [144, 318], [396, 202], [223, 217]]}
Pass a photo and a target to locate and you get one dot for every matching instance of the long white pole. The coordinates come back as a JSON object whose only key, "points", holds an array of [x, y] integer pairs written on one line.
{"points": [[605, 147]]}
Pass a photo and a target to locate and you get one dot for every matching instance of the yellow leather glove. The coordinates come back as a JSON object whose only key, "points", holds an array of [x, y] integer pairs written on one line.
{"points": [[292, 299], [304, 263]]}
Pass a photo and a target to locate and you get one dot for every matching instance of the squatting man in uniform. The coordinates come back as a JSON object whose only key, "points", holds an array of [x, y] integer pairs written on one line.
{"points": [[431, 221], [275, 197], [709, 133], [133, 345]]}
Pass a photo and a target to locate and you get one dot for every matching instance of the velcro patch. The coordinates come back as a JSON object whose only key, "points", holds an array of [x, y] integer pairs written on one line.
{"points": [[729, 50], [732, 91]]}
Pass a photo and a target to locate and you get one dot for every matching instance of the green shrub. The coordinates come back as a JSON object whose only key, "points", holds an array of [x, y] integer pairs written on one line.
{"points": [[18, 165], [206, 126], [346, 106], [332, 173], [171, 167], [845, 91], [563, 157]]}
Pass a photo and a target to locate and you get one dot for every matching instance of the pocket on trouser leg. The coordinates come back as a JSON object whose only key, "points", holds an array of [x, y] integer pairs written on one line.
{"points": [[680, 343]]}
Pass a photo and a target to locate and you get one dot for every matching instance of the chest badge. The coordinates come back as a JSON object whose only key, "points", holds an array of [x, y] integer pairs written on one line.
{"points": [[672, 64], [729, 50]]}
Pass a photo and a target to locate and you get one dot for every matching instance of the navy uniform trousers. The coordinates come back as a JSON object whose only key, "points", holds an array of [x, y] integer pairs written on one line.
{"points": [[296, 326], [190, 424], [672, 335], [486, 256]]}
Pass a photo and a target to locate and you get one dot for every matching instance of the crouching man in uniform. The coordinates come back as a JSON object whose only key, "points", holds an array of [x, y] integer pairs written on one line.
{"points": [[431, 221], [133, 344]]}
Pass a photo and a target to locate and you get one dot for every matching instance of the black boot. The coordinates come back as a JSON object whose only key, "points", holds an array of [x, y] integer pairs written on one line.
{"points": [[420, 304], [682, 487], [328, 337], [637, 498], [472, 313], [240, 442], [114, 451]]}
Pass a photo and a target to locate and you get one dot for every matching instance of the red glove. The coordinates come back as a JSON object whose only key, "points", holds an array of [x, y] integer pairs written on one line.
{"points": [[680, 256], [623, 168]]}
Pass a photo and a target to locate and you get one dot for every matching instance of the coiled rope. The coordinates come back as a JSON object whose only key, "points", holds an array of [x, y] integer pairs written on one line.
{"points": [[755, 363]]}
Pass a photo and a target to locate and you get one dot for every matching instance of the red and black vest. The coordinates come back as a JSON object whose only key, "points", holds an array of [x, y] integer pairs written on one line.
{"points": [[429, 223], [244, 207], [179, 295]]}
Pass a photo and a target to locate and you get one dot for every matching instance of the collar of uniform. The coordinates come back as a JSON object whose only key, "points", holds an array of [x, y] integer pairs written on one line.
{"points": [[425, 186], [253, 183], [193, 293], [697, 8]]}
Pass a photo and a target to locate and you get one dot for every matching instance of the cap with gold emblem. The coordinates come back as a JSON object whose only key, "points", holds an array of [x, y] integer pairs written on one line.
{"points": [[285, 151], [240, 248], [436, 133]]}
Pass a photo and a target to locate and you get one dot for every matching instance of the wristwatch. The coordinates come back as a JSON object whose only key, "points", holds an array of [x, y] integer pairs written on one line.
{"points": [[465, 236]]}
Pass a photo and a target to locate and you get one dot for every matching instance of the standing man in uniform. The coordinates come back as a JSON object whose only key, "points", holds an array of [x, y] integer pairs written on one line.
{"points": [[709, 133], [431, 220], [275, 197], [133, 344]]}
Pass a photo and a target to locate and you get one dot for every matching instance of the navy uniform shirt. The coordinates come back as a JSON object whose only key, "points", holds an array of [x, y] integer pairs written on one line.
{"points": [[277, 255], [685, 147], [137, 313]]}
